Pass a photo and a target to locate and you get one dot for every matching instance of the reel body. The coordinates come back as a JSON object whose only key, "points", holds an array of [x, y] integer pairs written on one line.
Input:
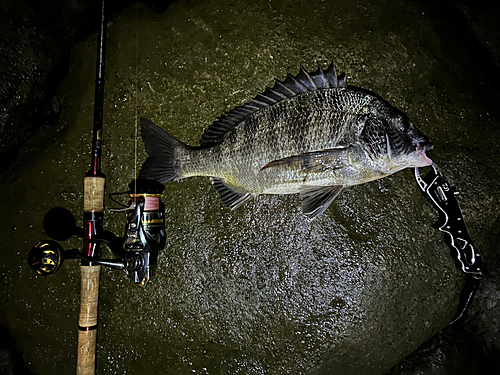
{"points": [[145, 228], [136, 253]]}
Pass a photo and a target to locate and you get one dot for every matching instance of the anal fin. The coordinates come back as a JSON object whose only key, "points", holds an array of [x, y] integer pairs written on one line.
{"points": [[229, 197], [316, 199]]}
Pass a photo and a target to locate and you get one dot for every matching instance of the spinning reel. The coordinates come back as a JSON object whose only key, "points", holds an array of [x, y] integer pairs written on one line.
{"points": [[136, 253]]}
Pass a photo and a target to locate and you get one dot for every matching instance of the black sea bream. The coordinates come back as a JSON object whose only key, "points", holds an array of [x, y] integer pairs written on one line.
{"points": [[310, 134]]}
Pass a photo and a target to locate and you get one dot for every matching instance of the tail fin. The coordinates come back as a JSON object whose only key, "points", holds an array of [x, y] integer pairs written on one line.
{"points": [[161, 164]]}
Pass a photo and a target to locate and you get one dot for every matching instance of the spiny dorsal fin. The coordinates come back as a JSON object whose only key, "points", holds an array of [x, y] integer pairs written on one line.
{"points": [[293, 85]]}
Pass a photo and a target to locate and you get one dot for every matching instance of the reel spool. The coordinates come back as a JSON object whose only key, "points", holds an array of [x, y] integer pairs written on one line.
{"points": [[145, 228]]}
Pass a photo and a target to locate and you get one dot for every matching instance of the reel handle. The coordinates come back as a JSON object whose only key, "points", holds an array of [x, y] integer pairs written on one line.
{"points": [[46, 257]]}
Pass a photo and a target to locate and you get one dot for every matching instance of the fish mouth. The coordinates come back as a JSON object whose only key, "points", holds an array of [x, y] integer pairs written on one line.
{"points": [[422, 148]]}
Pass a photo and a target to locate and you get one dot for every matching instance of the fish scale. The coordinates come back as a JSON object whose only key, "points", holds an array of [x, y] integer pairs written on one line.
{"points": [[310, 134]]}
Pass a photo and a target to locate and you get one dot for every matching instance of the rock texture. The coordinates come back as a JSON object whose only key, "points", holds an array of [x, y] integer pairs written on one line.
{"points": [[261, 289]]}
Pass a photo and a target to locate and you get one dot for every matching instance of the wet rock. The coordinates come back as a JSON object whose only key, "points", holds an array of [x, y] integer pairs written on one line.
{"points": [[34, 47], [261, 289], [472, 347], [11, 361], [34, 54]]}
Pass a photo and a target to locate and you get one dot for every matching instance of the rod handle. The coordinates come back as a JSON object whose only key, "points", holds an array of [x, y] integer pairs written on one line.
{"points": [[87, 323], [93, 189]]}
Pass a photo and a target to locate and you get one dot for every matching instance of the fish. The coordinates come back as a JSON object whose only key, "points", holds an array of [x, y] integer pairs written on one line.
{"points": [[311, 134]]}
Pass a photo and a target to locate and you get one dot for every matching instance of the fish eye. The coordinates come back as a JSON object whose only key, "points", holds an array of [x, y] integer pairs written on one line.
{"points": [[403, 125]]}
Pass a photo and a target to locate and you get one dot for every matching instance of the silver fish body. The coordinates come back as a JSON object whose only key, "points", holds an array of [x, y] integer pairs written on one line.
{"points": [[311, 134]]}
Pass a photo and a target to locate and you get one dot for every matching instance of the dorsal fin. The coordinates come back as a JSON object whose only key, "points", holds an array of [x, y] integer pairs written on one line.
{"points": [[293, 85]]}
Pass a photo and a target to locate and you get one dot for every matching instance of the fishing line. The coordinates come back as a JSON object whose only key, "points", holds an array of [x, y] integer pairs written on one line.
{"points": [[136, 93]]}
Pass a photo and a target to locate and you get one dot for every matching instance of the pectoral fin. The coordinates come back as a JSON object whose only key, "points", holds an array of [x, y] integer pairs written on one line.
{"points": [[316, 161], [315, 200]]}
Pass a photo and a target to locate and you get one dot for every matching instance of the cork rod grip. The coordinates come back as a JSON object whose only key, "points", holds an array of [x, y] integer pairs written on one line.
{"points": [[93, 190], [87, 330]]}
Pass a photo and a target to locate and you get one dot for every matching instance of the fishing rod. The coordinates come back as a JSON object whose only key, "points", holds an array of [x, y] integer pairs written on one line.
{"points": [[136, 253], [93, 217]]}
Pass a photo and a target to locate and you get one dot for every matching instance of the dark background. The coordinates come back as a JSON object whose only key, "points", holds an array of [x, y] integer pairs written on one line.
{"points": [[35, 45]]}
